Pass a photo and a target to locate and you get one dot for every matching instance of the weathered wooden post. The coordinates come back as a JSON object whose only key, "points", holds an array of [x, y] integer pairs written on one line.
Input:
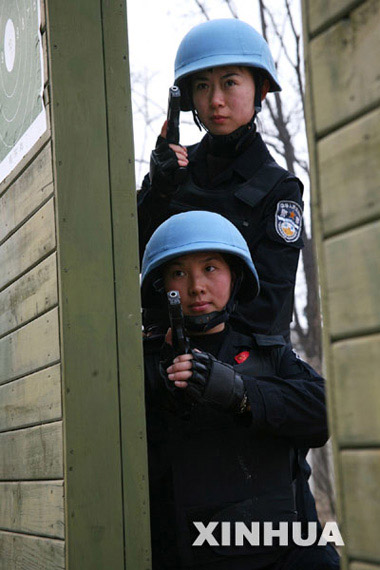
{"points": [[73, 481], [342, 46]]}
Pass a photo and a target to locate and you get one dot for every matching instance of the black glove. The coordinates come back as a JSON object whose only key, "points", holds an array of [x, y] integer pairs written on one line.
{"points": [[216, 383], [212, 382], [165, 173]]}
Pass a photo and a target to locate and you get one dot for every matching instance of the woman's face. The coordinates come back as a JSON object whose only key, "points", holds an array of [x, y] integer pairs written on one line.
{"points": [[204, 282], [224, 98]]}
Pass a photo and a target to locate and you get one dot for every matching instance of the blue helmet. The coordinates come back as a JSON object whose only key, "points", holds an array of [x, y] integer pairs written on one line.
{"points": [[192, 232], [222, 42]]}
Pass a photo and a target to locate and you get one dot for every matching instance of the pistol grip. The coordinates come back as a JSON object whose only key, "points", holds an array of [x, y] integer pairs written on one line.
{"points": [[180, 175]]}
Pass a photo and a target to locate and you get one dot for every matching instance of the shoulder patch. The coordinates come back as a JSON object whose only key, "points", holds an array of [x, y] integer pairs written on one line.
{"points": [[288, 220]]}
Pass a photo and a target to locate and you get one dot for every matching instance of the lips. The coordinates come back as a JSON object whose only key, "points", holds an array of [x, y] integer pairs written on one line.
{"points": [[218, 119], [200, 306]]}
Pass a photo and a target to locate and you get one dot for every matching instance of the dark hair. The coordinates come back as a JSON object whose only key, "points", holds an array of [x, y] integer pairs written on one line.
{"points": [[234, 263]]}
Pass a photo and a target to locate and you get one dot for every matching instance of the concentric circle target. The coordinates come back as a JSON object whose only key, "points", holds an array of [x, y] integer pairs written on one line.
{"points": [[21, 81]]}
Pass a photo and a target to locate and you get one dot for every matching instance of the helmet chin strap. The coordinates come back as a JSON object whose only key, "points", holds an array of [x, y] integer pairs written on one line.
{"points": [[258, 92], [204, 323]]}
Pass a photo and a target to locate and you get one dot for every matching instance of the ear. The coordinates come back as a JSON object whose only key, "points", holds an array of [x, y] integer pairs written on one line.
{"points": [[264, 89]]}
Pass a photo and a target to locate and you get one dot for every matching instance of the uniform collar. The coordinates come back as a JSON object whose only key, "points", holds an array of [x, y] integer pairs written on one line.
{"points": [[247, 163], [244, 165]]}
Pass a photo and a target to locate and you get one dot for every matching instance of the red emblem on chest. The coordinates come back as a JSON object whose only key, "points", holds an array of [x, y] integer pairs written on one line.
{"points": [[242, 356]]}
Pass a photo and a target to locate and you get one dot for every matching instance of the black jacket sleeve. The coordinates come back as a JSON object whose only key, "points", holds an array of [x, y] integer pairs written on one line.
{"points": [[276, 261], [290, 404]]}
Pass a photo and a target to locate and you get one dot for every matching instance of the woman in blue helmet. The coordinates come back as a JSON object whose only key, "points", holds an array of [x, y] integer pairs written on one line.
{"points": [[229, 424], [224, 70]]}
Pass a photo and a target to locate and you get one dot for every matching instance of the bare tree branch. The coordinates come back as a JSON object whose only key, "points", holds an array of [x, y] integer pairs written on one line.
{"points": [[279, 36], [275, 147], [298, 65], [231, 8], [303, 164], [298, 329], [202, 9], [262, 19], [324, 479]]}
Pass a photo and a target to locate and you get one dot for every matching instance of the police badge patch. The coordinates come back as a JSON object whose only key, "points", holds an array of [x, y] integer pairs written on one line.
{"points": [[288, 220]]}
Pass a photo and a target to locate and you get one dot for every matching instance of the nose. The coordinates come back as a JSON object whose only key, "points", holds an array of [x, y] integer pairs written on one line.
{"points": [[196, 285], [216, 97]]}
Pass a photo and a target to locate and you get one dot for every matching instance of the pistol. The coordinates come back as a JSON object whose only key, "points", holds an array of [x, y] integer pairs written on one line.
{"points": [[180, 341], [172, 135], [174, 108]]}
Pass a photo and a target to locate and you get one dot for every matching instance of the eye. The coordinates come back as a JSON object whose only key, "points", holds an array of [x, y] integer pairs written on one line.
{"points": [[230, 82], [201, 86], [210, 268], [178, 273]]}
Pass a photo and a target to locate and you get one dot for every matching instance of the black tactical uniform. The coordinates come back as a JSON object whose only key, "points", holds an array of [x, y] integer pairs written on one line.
{"points": [[207, 465], [263, 200]]}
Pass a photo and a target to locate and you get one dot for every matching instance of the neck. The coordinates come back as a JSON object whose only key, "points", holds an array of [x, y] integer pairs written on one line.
{"points": [[232, 144]]}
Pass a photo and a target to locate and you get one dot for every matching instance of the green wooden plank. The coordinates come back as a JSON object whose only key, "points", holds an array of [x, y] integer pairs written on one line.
{"points": [[364, 566], [346, 68], [31, 400], [34, 293], [27, 192], [121, 155], [33, 346], [33, 508], [348, 161], [30, 553], [28, 158], [322, 12], [361, 475], [33, 241], [93, 473], [353, 276], [357, 390], [32, 453]]}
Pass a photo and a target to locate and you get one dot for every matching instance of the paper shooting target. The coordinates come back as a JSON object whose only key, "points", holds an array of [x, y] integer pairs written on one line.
{"points": [[22, 114]]}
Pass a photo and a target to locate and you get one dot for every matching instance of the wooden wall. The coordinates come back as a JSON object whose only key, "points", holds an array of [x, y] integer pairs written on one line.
{"points": [[32, 526], [342, 47], [73, 482]]}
